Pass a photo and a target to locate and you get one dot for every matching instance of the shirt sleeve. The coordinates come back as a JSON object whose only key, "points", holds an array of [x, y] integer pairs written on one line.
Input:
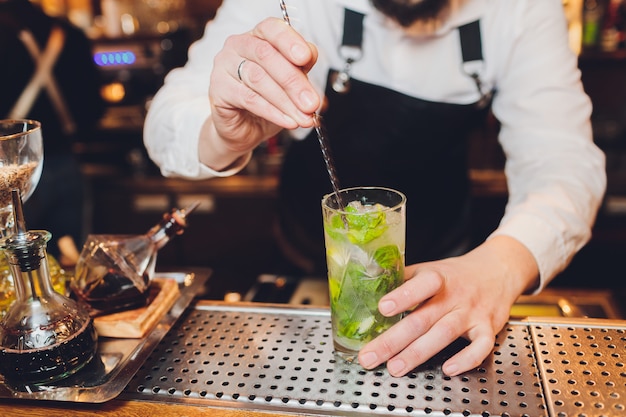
{"points": [[181, 106], [556, 174]]}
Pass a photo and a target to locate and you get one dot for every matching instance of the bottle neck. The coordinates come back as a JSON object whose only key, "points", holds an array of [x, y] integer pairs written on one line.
{"points": [[171, 225], [32, 281]]}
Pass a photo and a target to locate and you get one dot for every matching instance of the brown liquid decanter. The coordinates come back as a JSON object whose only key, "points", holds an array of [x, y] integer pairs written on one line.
{"points": [[113, 272], [44, 336]]}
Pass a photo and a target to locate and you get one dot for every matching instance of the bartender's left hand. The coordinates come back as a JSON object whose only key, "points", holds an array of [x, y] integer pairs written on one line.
{"points": [[469, 296]]}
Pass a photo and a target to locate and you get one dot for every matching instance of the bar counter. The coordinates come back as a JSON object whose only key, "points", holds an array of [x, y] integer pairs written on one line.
{"points": [[258, 359], [117, 408]]}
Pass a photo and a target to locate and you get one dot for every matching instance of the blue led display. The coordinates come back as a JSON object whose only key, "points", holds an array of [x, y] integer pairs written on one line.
{"points": [[117, 58]]}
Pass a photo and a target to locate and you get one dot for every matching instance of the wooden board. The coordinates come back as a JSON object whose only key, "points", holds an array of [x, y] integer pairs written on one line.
{"points": [[138, 322]]}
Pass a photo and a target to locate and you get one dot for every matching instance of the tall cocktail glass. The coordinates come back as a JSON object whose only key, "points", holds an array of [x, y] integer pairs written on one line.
{"points": [[365, 243]]}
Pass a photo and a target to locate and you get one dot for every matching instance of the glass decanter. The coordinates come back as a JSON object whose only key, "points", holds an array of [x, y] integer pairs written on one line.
{"points": [[44, 336], [21, 164], [60, 279], [113, 272]]}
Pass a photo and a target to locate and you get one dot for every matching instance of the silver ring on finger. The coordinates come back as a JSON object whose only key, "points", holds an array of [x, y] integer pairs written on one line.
{"points": [[239, 68]]}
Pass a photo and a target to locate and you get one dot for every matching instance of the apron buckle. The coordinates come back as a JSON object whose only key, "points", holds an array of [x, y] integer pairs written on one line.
{"points": [[340, 81]]}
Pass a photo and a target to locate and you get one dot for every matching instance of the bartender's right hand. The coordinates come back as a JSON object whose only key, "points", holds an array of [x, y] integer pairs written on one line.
{"points": [[258, 87]]}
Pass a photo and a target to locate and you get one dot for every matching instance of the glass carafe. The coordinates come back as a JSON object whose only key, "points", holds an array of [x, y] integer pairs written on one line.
{"points": [[59, 276], [44, 336], [113, 272]]}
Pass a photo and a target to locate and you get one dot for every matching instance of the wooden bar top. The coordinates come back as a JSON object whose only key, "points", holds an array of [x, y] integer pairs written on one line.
{"points": [[120, 408]]}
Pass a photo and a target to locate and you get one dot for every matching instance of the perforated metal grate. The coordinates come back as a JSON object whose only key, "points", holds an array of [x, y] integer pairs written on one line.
{"points": [[584, 369], [273, 358]]}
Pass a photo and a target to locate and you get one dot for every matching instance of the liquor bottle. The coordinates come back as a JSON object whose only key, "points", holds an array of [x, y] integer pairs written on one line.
{"points": [[113, 272], [44, 336], [593, 17]]}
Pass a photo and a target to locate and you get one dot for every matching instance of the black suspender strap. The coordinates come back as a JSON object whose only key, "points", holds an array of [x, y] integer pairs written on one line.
{"points": [[350, 49], [471, 42], [352, 28], [472, 53]]}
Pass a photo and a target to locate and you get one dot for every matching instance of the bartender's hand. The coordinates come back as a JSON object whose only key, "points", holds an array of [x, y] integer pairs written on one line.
{"points": [[469, 296], [258, 87]]}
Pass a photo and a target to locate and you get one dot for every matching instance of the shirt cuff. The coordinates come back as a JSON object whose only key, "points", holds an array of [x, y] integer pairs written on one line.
{"points": [[548, 249], [239, 164]]}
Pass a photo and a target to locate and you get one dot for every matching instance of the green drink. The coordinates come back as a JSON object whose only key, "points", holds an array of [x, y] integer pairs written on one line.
{"points": [[365, 257]]}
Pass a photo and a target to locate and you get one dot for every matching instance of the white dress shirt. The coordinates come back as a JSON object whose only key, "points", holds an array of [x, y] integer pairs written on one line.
{"points": [[555, 173]]}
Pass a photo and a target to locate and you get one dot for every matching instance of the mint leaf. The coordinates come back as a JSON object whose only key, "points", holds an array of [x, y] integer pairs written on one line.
{"points": [[388, 257], [363, 227]]}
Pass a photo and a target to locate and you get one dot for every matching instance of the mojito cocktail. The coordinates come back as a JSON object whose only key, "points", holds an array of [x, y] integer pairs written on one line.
{"points": [[365, 257]]}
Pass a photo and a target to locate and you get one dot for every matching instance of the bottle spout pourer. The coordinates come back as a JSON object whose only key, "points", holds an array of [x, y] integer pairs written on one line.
{"points": [[179, 216], [19, 224], [189, 209], [24, 244]]}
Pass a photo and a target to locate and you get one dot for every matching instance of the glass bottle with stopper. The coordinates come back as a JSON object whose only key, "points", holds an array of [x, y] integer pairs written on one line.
{"points": [[21, 164], [44, 336], [113, 272]]}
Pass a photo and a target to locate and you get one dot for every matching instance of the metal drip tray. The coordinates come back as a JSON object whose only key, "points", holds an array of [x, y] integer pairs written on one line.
{"points": [[583, 368], [278, 358]]}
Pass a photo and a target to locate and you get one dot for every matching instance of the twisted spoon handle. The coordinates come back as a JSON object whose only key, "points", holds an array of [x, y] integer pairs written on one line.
{"points": [[321, 135]]}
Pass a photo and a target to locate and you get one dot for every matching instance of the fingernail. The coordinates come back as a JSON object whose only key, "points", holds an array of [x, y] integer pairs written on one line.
{"points": [[368, 359], [451, 370], [396, 366], [386, 307], [308, 99], [298, 52]]}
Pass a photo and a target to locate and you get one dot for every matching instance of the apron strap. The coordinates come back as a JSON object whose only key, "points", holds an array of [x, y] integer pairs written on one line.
{"points": [[471, 42], [472, 53], [352, 29], [43, 77], [350, 49]]}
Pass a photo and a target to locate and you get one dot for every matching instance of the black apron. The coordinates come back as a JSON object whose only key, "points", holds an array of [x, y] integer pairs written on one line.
{"points": [[380, 137]]}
